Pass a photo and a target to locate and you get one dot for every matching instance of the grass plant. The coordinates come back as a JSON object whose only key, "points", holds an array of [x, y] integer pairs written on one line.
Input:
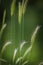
{"points": [[21, 12]]}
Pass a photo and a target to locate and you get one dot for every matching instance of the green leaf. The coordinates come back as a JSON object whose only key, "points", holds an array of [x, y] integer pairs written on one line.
{"points": [[24, 5], [12, 7], [2, 29], [14, 55], [19, 13], [22, 9], [5, 45], [3, 25], [22, 45], [32, 41], [18, 60], [4, 15], [27, 51], [34, 34]]}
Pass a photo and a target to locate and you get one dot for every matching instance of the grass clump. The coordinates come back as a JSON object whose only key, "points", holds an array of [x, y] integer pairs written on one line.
{"points": [[20, 59]]}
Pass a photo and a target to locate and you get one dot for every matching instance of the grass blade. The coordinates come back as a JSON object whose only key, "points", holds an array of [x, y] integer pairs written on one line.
{"points": [[12, 7], [27, 51], [4, 15], [19, 13], [32, 41], [2, 60], [22, 9], [34, 34], [25, 62], [14, 55], [22, 45], [24, 5], [2, 29], [18, 60], [5, 45], [3, 25]]}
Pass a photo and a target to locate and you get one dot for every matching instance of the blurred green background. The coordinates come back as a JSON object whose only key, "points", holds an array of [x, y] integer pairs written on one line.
{"points": [[18, 33]]}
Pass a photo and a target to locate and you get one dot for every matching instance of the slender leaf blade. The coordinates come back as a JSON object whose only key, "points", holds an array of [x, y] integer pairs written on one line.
{"points": [[5, 45]]}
